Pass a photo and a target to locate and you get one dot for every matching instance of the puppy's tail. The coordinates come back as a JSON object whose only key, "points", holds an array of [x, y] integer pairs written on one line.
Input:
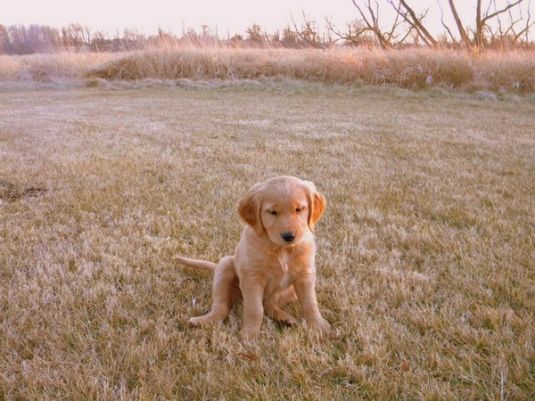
{"points": [[205, 264]]}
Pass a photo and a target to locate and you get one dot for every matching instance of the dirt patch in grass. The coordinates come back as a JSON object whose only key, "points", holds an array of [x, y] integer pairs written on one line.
{"points": [[12, 192]]}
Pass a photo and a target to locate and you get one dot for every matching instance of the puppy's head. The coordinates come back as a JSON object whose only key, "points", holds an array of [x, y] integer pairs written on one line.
{"points": [[283, 208]]}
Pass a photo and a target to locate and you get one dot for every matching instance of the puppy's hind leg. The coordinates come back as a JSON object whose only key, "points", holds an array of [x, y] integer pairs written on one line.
{"points": [[222, 294], [276, 313], [287, 296], [272, 306]]}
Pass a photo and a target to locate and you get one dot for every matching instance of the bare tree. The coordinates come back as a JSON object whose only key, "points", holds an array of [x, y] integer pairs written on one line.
{"points": [[415, 21], [407, 24], [475, 37], [75, 36], [255, 34], [369, 14], [356, 33], [482, 20], [42, 39], [18, 40], [509, 34], [4, 40], [99, 42], [290, 38], [309, 33]]}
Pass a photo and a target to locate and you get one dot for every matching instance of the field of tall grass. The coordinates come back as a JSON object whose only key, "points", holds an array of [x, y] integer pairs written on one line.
{"points": [[512, 71]]}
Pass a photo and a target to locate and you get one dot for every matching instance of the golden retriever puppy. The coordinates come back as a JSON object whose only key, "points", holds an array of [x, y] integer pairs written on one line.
{"points": [[274, 260]]}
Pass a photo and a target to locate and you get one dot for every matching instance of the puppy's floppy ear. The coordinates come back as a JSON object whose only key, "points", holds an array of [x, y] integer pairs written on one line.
{"points": [[249, 210], [317, 204]]}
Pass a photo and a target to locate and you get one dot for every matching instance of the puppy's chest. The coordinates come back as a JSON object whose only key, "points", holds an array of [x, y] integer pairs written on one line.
{"points": [[286, 271], [286, 278]]}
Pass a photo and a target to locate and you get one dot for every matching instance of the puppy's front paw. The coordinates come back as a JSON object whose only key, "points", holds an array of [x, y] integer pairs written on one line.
{"points": [[321, 325], [283, 317], [289, 320]]}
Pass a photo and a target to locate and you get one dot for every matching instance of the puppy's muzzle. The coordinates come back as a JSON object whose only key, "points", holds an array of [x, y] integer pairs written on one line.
{"points": [[288, 236]]}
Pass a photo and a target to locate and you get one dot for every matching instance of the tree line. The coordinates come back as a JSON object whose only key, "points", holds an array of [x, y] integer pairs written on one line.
{"points": [[505, 24], [21, 39]]}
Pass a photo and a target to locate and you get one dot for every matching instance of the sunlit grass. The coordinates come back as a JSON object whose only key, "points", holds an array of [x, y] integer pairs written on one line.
{"points": [[425, 254]]}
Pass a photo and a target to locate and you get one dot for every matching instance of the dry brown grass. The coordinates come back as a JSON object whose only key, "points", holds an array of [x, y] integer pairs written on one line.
{"points": [[425, 255], [51, 67], [512, 71]]}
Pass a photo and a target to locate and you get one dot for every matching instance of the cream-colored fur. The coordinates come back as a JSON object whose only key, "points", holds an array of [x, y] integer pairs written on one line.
{"points": [[267, 269]]}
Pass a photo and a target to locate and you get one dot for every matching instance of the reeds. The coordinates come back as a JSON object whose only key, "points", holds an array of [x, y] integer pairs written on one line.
{"points": [[410, 68]]}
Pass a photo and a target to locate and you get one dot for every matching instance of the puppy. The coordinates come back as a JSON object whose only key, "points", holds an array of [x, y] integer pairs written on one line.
{"points": [[273, 263]]}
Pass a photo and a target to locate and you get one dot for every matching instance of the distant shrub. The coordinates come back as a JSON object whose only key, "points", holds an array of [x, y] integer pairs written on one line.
{"points": [[410, 68]]}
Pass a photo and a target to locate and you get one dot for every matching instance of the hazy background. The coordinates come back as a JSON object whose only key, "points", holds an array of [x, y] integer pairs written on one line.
{"points": [[232, 16]]}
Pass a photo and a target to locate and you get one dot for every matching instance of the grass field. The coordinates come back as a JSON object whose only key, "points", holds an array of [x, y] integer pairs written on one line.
{"points": [[425, 255]]}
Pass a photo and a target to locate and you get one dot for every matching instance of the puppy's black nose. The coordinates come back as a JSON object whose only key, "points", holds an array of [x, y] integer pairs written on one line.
{"points": [[288, 236]]}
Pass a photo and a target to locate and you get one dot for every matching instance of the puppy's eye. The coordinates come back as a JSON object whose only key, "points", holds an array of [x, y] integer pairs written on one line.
{"points": [[299, 209], [272, 212]]}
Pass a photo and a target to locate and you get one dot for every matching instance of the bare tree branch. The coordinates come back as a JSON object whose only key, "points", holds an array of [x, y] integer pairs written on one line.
{"points": [[462, 32], [405, 16], [446, 27], [373, 25], [528, 25], [506, 8], [479, 25], [309, 34], [512, 23], [482, 25], [416, 22], [354, 34]]}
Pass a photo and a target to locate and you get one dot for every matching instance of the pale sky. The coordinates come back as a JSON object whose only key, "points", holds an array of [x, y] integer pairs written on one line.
{"points": [[232, 16]]}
